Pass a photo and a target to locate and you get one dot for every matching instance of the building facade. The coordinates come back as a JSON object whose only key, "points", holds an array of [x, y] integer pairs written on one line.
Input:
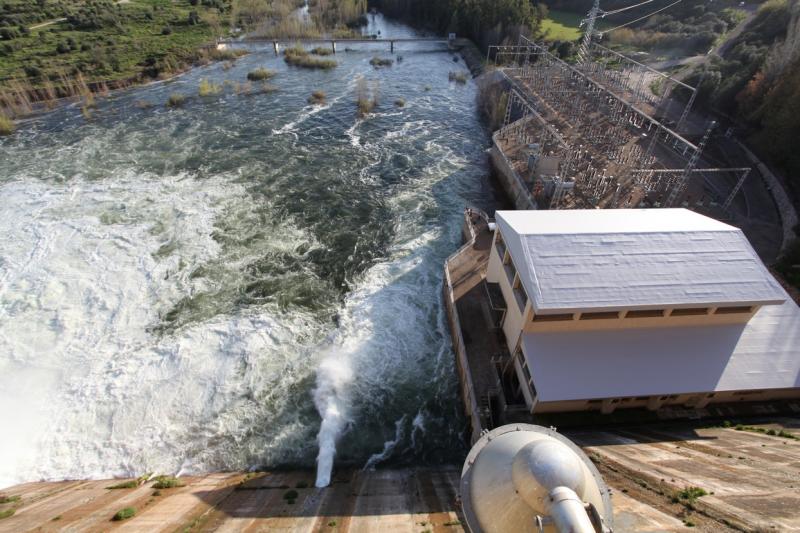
{"points": [[606, 309]]}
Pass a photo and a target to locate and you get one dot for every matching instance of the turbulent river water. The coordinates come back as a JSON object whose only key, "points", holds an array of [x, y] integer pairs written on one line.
{"points": [[241, 282]]}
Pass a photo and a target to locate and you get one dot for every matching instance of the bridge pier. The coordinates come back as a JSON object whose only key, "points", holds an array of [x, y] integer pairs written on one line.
{"points": [[333, 46], [276, 47], [391, 46]]}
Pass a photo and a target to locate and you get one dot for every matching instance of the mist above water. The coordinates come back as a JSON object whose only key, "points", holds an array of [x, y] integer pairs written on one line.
{"points": [[248, 281]]}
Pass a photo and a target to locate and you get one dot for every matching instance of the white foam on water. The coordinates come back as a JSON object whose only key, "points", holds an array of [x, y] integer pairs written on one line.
{"points": [[306, 113], [389, 445], [382, 331], [88, 389], [417, 426]]}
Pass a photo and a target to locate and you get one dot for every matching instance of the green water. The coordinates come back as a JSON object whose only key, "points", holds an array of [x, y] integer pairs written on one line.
{"points": [[193, 289]]}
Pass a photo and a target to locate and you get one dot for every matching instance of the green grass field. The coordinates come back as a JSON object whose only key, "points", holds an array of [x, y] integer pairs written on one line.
{"points": [[565, 26], [119, 43]]}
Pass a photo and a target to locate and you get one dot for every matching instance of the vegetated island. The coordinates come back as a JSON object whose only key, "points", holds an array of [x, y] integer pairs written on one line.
{"points": [[52, 49]]}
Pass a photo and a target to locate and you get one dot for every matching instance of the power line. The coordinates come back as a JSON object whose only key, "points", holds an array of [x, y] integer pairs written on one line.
{"points": [[641, 18], [620, 10]]}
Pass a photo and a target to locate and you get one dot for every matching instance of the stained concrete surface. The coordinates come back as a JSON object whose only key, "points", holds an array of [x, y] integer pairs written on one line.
{"points": [[752, 480]]}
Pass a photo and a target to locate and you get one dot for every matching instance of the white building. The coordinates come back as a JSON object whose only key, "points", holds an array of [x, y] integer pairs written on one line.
{"points": [[640, 308]]}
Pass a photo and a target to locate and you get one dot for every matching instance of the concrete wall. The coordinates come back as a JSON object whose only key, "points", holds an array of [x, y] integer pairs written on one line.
{"points": [[462, 366], [786, 209], [510, 181]]}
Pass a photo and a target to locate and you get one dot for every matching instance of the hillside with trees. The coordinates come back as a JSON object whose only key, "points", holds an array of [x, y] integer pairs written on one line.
{"points": [[688, 28], [486, 22], [759, 83]]}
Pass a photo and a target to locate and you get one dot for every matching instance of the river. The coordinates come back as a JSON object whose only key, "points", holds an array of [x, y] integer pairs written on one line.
{"points": [[238, 282]]}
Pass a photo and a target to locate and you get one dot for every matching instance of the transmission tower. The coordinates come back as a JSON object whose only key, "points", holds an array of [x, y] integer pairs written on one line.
{"points": [[583, 50], [680, 186], [689, 105]]}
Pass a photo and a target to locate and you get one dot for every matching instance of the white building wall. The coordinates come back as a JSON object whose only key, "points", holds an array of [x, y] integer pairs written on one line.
{"points": [[495, 268]]}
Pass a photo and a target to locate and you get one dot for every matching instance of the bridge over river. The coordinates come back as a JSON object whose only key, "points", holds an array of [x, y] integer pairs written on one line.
{"points": [[277, 43]]}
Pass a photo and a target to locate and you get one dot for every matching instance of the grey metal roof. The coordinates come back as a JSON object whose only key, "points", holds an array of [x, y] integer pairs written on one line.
{"points": [[633, 258]]}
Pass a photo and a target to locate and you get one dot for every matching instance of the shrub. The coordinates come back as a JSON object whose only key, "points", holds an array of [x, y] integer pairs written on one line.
{"points": [[366, 102], [378, 62], [124, 514], [268, 88], [400, 102], [458, 77], [176, 100], [322, 51], [691, 493], [63, 48], [166, 30], [243, 88], [317, 97], [226, 54], [296, 50], [9, 33], [9, 499], [260, 74], [167, 482], [290, 495], [132, 484], [297, 56], [310, 62], [7, 513], [6, 128], [208, 88]]}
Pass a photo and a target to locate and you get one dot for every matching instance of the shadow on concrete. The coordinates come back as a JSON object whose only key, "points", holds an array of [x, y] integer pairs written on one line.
{"points": [[385, 496]]}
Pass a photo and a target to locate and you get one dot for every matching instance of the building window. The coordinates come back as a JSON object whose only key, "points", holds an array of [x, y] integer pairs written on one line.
{"points": [[520, 295], [600, 316], [645, 313], [733, 310], [511, 271], [524, 366], [500, 245], [689, 311], [526, 373], [553, 318]]}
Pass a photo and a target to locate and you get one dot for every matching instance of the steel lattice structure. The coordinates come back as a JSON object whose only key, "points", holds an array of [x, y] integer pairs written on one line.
{"points": [[616, 146]]}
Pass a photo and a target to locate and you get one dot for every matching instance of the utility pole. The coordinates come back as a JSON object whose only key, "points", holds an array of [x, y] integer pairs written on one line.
{"points": [[591, 18], [689, 105], [728, 201], [683, 181]]}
